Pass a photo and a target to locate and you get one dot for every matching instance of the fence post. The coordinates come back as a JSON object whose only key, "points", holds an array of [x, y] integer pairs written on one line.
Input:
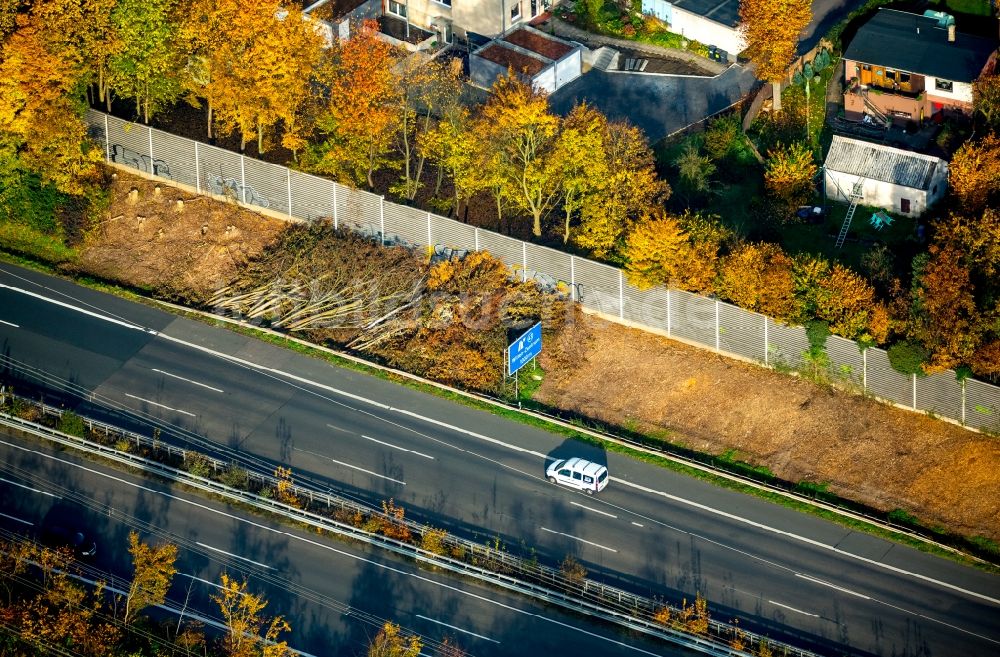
{"points": [[914, 375], [430, 239], [766, 357], [381, 219], [864, 370], [524, 262], [669, 325], [107, 140], [288, 173], [243, 178], [197, 172], [717, 325], [621, 295], [333, 186], [152, 167], [572, 278], [963, 401], [476, 234]]}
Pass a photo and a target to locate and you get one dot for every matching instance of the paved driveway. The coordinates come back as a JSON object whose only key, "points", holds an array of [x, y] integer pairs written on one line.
{"points": [[658, 104]]}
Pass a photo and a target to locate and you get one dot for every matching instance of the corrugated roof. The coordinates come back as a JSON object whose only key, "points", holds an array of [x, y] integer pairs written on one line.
{"points": [[878, 162], [918, 44]]}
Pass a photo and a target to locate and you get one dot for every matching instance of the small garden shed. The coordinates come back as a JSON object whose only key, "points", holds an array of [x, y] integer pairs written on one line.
{"points": [[546, 61], [891, 178]]}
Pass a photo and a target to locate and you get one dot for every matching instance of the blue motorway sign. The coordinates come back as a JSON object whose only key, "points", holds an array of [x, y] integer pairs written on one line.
{"points": [[526, 347]]}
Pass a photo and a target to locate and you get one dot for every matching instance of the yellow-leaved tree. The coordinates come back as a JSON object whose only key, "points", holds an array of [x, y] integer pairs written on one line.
{"points": [[758, 277], [248, 632], [153, 571], [789, 174], [517, 134], [391, 642], [660, 250], [771, 30], [974, 172]]}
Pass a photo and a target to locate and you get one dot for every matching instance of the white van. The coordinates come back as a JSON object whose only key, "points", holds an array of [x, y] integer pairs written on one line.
{"points": [[578, 473]]}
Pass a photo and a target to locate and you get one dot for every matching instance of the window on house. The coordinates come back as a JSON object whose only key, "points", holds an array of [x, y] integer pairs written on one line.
{"points": [[904, 205], [397, 8], [904, 78], [446, 3], [515, 12], [866, 67], [943, 85]]}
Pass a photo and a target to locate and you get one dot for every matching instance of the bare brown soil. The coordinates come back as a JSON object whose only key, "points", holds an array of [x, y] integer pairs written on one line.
{"points": [[183, 253], [866, 451]]}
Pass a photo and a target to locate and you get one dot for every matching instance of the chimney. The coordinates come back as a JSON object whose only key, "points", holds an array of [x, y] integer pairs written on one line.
{"points": [[951, 33]]}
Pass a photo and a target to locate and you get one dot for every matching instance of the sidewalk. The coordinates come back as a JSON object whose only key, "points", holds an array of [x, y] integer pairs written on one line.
{"points": [[567, 31]]}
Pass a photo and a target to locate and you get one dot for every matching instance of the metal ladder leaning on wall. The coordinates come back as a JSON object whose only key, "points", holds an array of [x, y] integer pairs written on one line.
{"points": [[856, 195]]}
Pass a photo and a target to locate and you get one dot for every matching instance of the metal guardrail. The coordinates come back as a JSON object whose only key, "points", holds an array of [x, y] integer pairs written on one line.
{"points": [[480, 562]]}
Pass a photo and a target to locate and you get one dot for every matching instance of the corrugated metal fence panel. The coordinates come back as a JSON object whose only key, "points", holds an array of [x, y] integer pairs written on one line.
{"points": [[312, 197], [647, 307], [220, 172], [550, 268], [600, 286], [359, 211], [405, 226], [885, 382], [982, 405], [266, 185], [453, 234], [692, 316], [173, 158], [940, 394], [130, 144], [846, 360], [741, 332], [506, 248], [786, 344]]}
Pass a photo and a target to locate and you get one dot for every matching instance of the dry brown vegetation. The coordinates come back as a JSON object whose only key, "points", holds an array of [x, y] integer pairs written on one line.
{"points": [[184, 253], [866, 451]]}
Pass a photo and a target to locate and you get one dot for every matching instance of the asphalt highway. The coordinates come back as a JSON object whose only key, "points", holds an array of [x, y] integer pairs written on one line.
{"points": [[788, 575], [334, 594]]}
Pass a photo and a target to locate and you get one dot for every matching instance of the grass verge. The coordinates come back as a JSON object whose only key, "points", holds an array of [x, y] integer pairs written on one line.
{"points": [[588, 430]]}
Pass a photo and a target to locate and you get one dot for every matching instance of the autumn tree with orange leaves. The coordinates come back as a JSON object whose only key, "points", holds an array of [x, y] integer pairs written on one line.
{"points": [[359, 119], [41, 80], [771, 29], [943, 316], [758, 277], [248, 632], [789, 174]]}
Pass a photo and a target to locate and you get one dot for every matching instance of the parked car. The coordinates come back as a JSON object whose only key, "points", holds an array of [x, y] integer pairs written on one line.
{"points": [[61, 535], [578, 473]]}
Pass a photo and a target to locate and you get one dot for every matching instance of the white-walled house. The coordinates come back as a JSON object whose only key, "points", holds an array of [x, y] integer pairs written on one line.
{"points": [[712, 22], [546, 61], [891, 178]]}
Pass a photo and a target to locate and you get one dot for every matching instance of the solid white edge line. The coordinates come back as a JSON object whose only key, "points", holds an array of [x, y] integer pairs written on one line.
{"points": [[467, 432], [588, 508], [203, 385], [638, 524], [175, 410], [577, 538], [24, 522], [33, 490], [9, 324], [458, 629], [797, 611], [810, 541], [235, 556]]}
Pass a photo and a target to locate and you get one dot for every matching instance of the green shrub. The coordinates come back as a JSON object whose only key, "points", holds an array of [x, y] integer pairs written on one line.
{"points": [[72, 424], [817, 331], [907, 357], [235, 477]]}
